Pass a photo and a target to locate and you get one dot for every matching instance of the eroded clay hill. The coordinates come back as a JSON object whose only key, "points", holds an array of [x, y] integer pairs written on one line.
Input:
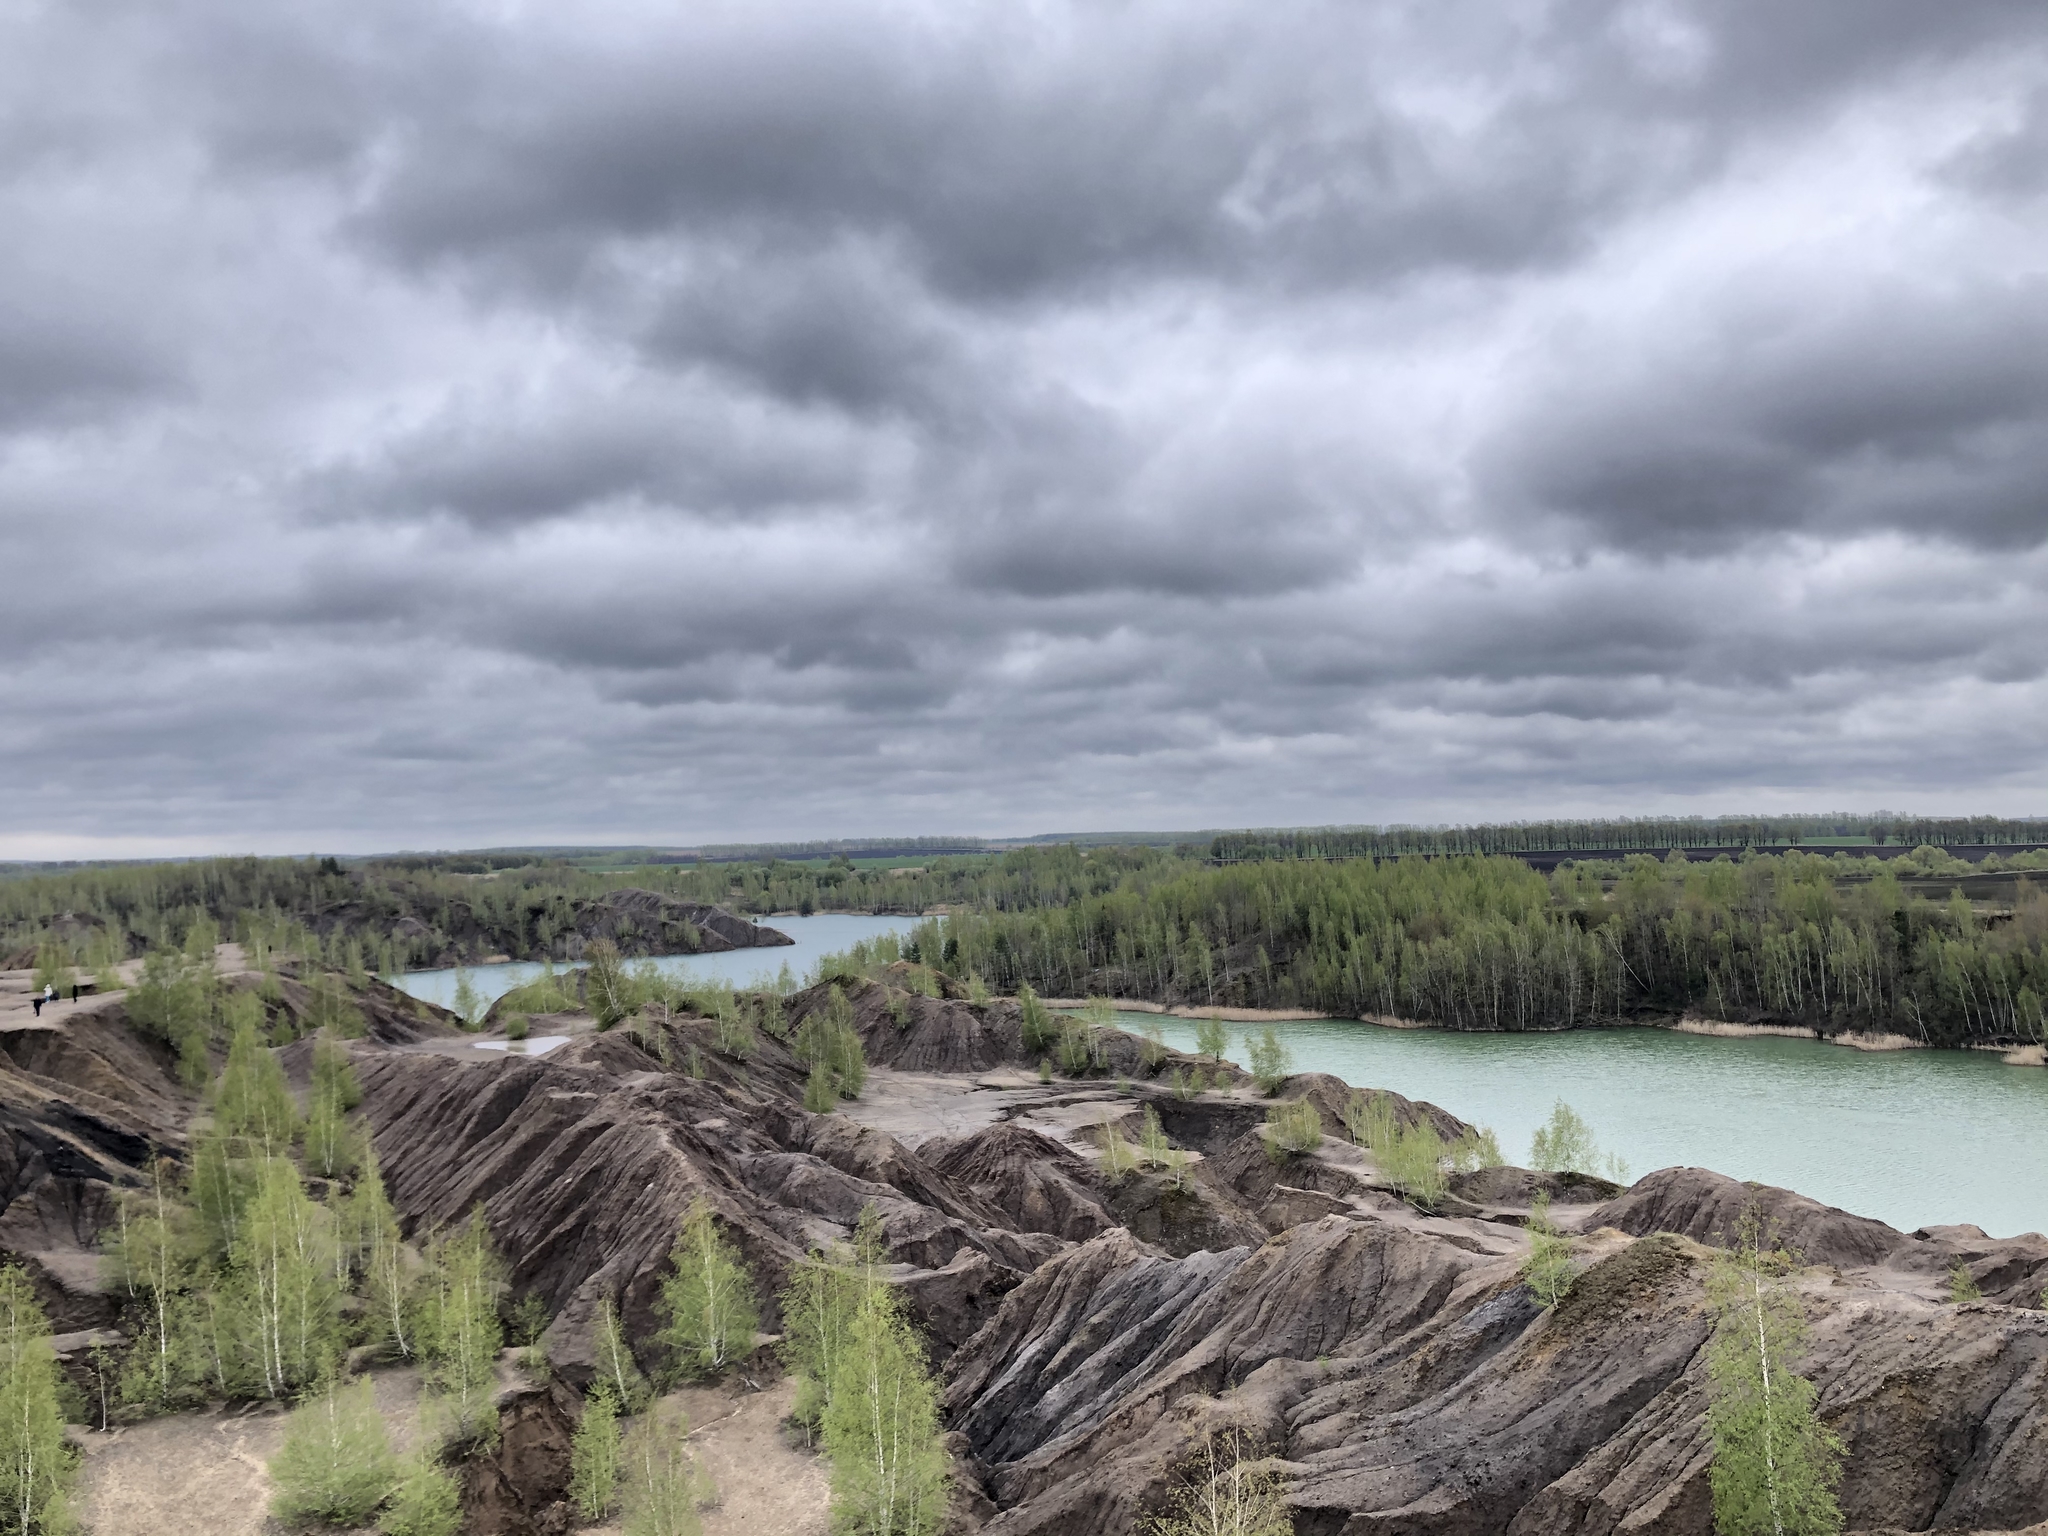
{"points": [[1091, 1329]]}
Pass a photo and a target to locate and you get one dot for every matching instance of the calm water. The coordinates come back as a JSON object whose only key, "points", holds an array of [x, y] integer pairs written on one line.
{"points": [[1910, 1137], [815, 938], [1914, 1138]]}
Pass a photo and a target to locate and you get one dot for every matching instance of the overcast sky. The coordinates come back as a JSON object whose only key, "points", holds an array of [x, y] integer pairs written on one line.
{"points": [[435, 425]]}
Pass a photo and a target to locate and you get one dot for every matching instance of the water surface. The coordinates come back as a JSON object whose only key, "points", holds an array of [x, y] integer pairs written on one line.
{"points": [[1915, 1138], [817, 936]]}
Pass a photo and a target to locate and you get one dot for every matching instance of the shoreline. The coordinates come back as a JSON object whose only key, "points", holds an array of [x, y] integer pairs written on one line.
{"points": [[1871, 1041], [1183, 1011]]}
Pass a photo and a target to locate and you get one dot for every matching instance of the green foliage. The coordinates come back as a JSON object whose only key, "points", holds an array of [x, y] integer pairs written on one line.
{"points": [[469, 1004], [1415, 1163], [774, 1021], [662, 1488], [1548, 1269], [252, 1104], [173, 1000], [153, 1259], [529, 1320], [708, 1301], [977, 990], [377, 1253], [1155, 1151], [427, 1500], [821, 1090], [1182, 1086], [1077, 1051], [1415, 1159], [335, 1464], [1152, 1046], [594, 1454], [284, 1264], [331, 1011], [1565, 1144], [1293, 1128], [333, 1145], [1223, 1491], [881, 1425], [1119, 1158], [1041, 1029], [827, 1039], [1211, 1038], [545, 993], [458, 1332], [53, 966], [1962, 1285], [36, 1464], [1775, 1464], [733, 1032], [817, 1318], [615, 1363], [1271, 1062], [1045, 1069]]}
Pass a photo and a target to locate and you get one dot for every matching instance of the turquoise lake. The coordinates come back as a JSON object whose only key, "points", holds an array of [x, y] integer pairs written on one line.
{"points": [[1914, 1138]]}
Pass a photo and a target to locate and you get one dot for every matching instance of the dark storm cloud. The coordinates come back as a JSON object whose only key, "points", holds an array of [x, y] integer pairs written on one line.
{"points": [[426, 424]]}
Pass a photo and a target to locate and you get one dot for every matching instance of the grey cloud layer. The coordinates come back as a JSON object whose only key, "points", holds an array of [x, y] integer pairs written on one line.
{"points": [[440, 424]]}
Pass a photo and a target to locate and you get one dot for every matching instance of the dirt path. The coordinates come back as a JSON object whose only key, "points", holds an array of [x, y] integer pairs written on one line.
{"points": [[202, 1474], [766, 1486]]}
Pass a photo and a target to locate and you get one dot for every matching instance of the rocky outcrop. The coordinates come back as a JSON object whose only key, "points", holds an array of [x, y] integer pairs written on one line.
{"points": [[649, 923], [1039, 1184], [84, 1104]]}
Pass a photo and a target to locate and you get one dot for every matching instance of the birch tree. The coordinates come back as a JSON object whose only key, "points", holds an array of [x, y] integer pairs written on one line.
{"points": [[35, 1463], [1775, 1464], [709, 1298]]}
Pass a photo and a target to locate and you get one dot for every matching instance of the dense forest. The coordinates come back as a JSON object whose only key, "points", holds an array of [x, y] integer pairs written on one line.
{"points": [[1648, 832], [1837, 942], [413, 912], [1489, 944]]}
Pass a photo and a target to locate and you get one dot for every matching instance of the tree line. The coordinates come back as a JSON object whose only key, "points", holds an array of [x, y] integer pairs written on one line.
{"points": [[1485, 943], [1629, 833], [402, 914]]}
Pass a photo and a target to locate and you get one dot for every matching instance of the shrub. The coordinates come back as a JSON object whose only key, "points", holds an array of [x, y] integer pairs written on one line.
{"points": [[1076, 1048], [1293, 1128], [1222, 1492], [427, 1501], [1548, 1269], [336, 1463], [1040, 1028], [1962, 1285], [1565, 1144], [1212, 1039], [1271, 1062]]}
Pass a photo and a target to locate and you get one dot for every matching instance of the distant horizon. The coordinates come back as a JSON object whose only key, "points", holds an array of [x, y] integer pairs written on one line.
{"points": [[994, 842]]}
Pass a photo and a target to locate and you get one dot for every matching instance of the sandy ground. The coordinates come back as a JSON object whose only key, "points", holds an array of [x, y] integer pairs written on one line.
{"points": [[765, 1485], [203, 1473]]}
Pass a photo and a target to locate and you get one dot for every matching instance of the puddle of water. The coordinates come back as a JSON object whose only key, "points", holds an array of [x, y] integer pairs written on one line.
{"points": [[539, 1045]]}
